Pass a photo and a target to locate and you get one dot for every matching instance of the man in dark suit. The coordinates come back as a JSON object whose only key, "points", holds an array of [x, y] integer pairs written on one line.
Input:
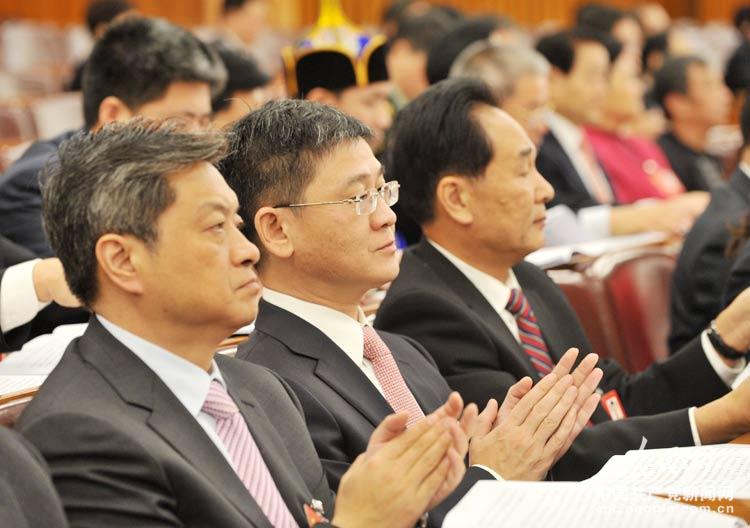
{"points": [[739, 275], [580, 61], [323, 250], [140, 66], [703, 267], [139, 423], [26, 290], [27, 497], [488, 318]]}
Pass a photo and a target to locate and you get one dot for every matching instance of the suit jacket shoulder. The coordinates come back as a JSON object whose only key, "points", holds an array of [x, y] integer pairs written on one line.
{"points": [[20, 196]]}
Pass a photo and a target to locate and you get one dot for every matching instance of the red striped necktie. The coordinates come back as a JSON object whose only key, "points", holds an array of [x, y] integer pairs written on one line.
{"points": [[529, 332]]}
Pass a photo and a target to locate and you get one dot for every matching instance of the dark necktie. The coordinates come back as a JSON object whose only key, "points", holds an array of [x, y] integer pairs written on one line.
{"points": [[529, 332]]}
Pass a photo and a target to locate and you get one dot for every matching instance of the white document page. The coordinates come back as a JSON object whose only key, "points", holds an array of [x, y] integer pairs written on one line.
{"points": [[11, 384], [492, 504], [40, 355], [717, 471]]}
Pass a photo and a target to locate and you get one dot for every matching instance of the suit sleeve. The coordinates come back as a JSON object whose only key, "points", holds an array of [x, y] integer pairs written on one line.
{"points": [[116, 483]]}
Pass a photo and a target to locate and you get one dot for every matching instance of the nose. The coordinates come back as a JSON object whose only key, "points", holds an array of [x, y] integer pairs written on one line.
{"points": [[382, 216], [544, 191], [244, 252]]}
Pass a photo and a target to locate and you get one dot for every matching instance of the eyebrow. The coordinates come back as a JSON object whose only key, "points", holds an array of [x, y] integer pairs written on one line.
{"points": [[526, 152], [216, 205], [359, 178]]}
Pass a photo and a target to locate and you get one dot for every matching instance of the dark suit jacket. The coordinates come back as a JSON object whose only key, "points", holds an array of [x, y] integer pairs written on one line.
{"points": [[341, 405], [21, 199], [698, 171], [14, 339], [703, 268], [123, 451], [739, 276], [27, 497], [434, 303], [554, 164]]}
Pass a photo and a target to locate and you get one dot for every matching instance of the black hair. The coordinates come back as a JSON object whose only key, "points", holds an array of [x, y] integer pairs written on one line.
{"points": [[737, 75], [243, 74], [138, 58], [434, 135], [422, 31], [104, 12], [559, 48], [658, 43], [672, 77]]}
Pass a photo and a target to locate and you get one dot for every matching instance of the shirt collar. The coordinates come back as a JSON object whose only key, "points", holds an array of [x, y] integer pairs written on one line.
{"points": [[495, 291], [187, 381], [566, 132], [344, 331]]}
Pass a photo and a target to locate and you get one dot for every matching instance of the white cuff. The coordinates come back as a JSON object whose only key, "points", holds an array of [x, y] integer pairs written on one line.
{"points": [[490, 471], [693, 427], [596, 220], [726, 373], [18, 300]]}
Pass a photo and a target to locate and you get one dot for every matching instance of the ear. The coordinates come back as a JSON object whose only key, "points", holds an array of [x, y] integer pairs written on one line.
{"points": [[119, 259], [112, 109], [322, 95], [453, 196], [272, 228], [674, 104]]}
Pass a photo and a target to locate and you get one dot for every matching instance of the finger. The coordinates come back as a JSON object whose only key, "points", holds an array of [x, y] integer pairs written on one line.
{"points": [[425, 455], [486, 419], [460, 440], [559, 439], [512, 397], [398, 446], [456, 472], [391, 426], [584, 413], [566, 362], [545, 422], [431, 485], [589, 385], [584, 368], [470, 419], [451, 408], [548, 385]]}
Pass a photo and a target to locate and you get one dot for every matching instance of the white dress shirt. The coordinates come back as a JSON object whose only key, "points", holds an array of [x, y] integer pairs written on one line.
{"points": [[187, 381], [18, 300], [345, 332], [496, 292], [595, 219]]}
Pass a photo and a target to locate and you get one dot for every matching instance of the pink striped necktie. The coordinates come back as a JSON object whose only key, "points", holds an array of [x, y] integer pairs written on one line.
{"points": [[529, 332], [244, 452], [397, 394]]}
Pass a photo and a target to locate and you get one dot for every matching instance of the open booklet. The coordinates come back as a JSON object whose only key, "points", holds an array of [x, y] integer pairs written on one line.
{"points": [[491, 504]]}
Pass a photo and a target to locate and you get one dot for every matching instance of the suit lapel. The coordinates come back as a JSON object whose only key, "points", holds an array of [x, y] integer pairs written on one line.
{"points": [[139, 386], [333, 366], [740, 182], [473, 298], [285, 475]]}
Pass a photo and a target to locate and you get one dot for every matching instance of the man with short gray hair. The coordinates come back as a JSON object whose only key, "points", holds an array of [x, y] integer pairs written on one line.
{"points": [[518, 78], [140, 423]]}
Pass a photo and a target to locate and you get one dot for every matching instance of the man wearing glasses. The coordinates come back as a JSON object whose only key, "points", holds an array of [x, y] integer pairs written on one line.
{"points": [[310, 193]]}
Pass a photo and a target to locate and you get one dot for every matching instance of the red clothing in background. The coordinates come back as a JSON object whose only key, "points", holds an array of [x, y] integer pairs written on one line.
{"points": [[637, 167]]}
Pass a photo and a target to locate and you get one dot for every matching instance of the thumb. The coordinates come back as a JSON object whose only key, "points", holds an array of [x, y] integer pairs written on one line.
{"points": [[517, 391], [392, 426]]}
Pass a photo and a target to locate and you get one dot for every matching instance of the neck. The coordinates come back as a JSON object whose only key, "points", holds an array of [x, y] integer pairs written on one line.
{"points": [[611, 123], [569, 117], [311, 289], [196, 343], [746, 155], [691, 134], [475, 255]]}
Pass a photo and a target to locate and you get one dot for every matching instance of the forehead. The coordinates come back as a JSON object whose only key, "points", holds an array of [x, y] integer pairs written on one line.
{"points": [[531, 86], [506, 136], [200, 183], [344, 161], [589, 53], [179, 98]]}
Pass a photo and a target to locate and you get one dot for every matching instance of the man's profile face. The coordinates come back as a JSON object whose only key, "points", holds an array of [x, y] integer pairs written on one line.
{"points": [[585, 85], [190, 101], [528, 104], [331, 242], [369, 104], [710, 99], [508, 201], [200, 270]]}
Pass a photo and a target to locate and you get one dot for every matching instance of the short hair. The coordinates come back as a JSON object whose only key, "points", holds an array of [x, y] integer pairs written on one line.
{"points": [[559, 48], [658, 43], [745, 122], [104, 12], [434, 135], [231, 5], [600, 17], [672, 77], [499, 66], [741, 16], [115, 181], [138, 58], [243, 73], [737, 73], [422, 31], [274, 151]]}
